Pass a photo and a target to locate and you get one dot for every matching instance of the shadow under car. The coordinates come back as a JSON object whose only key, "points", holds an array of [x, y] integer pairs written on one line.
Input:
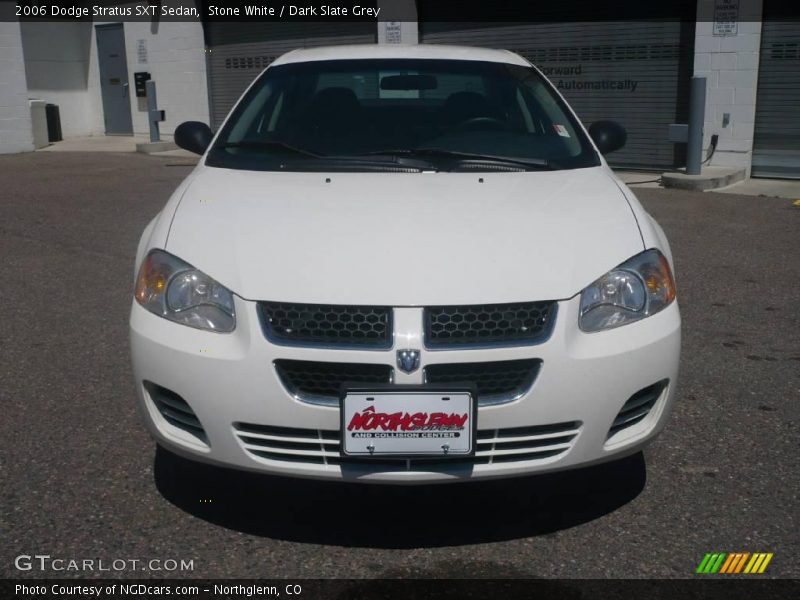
{"points": [[390, 516]]}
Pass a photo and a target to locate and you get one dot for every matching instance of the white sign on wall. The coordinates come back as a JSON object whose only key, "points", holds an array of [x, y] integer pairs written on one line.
{"points": [[726, 17], [393, 32], [141, 52]]}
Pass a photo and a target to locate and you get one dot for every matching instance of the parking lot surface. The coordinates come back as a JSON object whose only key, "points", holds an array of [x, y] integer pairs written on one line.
{"points": [[80, 478]]}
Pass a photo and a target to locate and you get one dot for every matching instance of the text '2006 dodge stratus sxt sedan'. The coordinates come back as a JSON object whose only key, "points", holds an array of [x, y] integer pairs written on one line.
{"points": [[404, 264]]}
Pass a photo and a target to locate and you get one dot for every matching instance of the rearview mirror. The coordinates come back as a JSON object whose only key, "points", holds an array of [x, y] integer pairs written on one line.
{"points": [[409, 82], [193, 136], [608, 136]]}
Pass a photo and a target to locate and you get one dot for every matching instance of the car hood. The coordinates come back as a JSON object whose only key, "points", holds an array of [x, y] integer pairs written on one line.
{"points": [[404, 239]]}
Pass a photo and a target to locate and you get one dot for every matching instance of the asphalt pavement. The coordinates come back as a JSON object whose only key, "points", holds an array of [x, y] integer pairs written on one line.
{"points": [[81, 479]]}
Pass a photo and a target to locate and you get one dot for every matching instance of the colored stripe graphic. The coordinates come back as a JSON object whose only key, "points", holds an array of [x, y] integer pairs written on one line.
{"points": [[766, 562], [703, 563], [734, 562], [718, 564], [739, 566], [711, 563], [758, 563], [752, 566], [732, 559]]}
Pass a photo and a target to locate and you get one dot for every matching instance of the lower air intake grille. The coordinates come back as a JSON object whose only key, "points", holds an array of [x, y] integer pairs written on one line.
{"points": [[497, 382], [175, 410], [321, 447], [319, 382], [637, 407], [327, 325], [288, 444], [488, 324]]}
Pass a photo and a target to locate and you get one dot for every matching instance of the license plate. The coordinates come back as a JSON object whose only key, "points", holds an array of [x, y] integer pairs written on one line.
{"points": [[408, 421]]}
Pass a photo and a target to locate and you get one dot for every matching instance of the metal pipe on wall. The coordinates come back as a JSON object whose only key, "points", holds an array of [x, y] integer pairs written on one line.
{"points": [[697, 110], [152, 110]]}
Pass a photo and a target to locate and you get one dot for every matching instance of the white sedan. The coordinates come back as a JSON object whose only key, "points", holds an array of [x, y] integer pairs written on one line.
{"points": [[404, 264]]}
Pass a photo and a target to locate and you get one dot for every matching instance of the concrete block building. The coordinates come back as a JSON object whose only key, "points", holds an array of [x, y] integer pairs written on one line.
{"points": [[635, 72]]}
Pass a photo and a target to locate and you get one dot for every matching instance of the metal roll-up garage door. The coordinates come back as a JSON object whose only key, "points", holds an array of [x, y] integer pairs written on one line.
{"points": [[633, 72], [776, 141], [238, 52]]}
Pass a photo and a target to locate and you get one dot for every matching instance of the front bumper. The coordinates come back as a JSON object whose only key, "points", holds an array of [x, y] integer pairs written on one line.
{"points": [[229, 379]]}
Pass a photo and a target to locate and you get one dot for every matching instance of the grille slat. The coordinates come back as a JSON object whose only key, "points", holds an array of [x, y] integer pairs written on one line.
{"points": [[281, 432], [534, 443], [511, 440], [523, 450], [290, 451], [526, 457], [322, 446], [537, 430], [484, 325], [174, 404], [497, 382], [180, 419], [637, 407], [327, 325], [635, 403], [622, 422], [522, 438], [257, 437], [289, 457], [175, 410]]}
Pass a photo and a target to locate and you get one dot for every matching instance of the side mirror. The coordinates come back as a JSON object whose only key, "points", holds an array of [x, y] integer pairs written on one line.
{"points": [[608, 135], [193, 136]]}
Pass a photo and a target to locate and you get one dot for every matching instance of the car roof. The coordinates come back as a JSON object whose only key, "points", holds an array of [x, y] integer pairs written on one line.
{"points": [[422, 51]]}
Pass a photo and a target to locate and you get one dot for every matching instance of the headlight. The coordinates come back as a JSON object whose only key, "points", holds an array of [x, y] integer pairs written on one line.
{"points": [[638, 288], [175, 290]]}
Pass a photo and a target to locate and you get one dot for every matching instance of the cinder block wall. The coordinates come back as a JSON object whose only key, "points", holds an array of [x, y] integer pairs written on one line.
{"points": [[15, 117], [730, 65], [61, 64], [176, 61], [56, 67]]}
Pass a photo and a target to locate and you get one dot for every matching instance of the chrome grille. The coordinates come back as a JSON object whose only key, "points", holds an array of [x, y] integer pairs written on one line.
{"points": [[480, 325], [497, 382], [327, 325], [319, 382], [321, 447]]}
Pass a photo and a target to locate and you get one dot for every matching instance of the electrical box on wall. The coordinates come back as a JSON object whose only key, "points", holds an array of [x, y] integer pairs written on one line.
{"points": [[139, 80]]}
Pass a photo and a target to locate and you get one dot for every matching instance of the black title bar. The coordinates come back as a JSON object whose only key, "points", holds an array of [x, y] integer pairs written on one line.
{"points": [[333, 11], [705, 588]]}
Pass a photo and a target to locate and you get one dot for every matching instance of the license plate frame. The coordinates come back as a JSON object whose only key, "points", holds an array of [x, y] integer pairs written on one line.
{"points": [[405, 396]]}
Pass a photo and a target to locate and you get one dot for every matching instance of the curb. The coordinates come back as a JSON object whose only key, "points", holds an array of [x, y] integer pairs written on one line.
{"points": [[152, 147], [703, 182]]}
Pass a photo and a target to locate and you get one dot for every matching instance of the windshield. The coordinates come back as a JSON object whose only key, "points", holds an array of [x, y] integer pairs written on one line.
{"points": [[361, 115]]}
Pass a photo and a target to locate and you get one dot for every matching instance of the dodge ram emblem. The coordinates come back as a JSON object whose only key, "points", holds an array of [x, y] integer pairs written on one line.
{"points": [[408, 360]]}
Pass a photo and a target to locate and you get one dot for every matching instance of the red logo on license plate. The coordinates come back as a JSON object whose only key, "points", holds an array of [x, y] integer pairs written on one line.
{"points": [[368, 419]]}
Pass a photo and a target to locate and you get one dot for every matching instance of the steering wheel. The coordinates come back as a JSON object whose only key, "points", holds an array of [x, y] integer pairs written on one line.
{"points": [[481, 123]]}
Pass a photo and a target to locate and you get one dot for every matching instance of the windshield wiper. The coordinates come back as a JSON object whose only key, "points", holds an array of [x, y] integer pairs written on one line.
{"points": [[395, 155], [529, 163], [346, 159], [270, 145]]}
